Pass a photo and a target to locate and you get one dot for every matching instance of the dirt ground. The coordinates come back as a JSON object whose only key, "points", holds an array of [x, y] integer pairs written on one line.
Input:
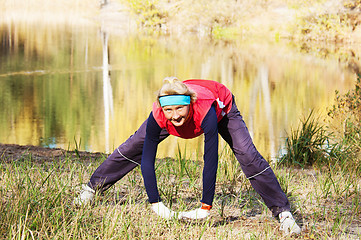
{"points": [[13, 152]]}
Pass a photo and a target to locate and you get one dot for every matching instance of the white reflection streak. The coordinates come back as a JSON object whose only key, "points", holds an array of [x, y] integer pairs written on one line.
{"points": [[107, 90], [227, 72], [262, 82], [206, 68], [263, 76]]}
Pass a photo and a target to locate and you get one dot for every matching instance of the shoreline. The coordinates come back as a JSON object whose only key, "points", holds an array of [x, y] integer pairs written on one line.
{"points": [[11, 152]]}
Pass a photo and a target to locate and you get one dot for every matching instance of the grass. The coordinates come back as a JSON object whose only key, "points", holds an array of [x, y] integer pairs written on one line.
{"points": [[307, 145], [36, 202]]}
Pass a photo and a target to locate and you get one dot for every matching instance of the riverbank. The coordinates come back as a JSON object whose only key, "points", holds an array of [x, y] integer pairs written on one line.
{"points": [[320, 21], [16, 152], [324, 21]]}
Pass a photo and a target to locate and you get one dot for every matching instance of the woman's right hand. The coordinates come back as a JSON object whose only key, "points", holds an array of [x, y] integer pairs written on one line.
{"points": [[199, 213]]}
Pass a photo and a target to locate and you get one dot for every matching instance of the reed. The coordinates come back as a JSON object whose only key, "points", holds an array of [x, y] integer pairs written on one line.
{"points": [[306, 145]]}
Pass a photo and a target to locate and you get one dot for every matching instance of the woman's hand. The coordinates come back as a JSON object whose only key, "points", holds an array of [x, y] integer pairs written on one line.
{"points": [[199, 213], [161, 210]]}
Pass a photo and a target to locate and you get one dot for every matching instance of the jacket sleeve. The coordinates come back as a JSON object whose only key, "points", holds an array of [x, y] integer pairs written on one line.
{"points": [[210, 129], [150, 146]]}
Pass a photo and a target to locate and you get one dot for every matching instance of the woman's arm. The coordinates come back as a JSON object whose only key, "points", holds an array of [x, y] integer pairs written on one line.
{"points": [[150, 146], [210, 129]]}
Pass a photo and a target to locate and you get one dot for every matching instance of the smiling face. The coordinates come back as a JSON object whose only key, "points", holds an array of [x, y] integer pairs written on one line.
{"points": [[176, 114]]}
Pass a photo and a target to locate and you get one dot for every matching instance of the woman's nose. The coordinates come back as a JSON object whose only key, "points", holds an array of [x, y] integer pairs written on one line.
{"points": [[175, 115]]}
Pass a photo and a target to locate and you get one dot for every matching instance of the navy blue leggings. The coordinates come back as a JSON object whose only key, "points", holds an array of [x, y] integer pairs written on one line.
{"points": [[232, 129]]}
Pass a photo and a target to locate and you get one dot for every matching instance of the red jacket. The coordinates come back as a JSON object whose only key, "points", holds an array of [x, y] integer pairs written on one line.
{"points": [[208, 93]]}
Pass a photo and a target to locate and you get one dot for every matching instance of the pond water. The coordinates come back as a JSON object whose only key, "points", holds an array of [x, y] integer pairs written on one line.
{"points": [[78, 87]]}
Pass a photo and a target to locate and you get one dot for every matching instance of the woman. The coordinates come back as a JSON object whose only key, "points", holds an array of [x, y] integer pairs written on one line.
{"points": [[188, 109]]}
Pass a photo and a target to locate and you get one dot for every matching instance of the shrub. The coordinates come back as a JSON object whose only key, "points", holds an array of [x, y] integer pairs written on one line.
{"points": [[313, 143], [150, 16], [347, 112], [353, 4]]}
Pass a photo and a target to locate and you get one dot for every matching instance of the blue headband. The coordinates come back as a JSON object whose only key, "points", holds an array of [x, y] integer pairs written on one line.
{"points": [[174, 100]]}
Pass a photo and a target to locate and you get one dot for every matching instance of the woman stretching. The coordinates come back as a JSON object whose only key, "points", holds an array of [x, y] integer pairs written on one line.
{"points": [[188, 109]]}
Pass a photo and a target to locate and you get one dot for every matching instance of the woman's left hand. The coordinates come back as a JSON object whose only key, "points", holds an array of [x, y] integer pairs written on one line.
{"points": [[198, 213]]}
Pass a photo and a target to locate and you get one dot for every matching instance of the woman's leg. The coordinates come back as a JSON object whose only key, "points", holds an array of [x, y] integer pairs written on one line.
{"points": [[234, 131], [124, 159]]}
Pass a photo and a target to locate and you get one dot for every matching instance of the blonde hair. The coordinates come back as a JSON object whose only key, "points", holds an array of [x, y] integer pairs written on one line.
{"points": [[172, 86]]}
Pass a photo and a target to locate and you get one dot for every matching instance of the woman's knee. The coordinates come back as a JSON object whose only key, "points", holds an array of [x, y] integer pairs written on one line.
{"points": [[252, 164]]}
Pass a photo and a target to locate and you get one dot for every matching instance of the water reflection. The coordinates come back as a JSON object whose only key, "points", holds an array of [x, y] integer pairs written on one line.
{"points": [[261, 87], [107, 90], [61, 84]]}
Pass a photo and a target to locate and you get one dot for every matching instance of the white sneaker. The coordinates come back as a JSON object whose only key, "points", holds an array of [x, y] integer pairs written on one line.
{"points": [[288, 223], [86, 196]]}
